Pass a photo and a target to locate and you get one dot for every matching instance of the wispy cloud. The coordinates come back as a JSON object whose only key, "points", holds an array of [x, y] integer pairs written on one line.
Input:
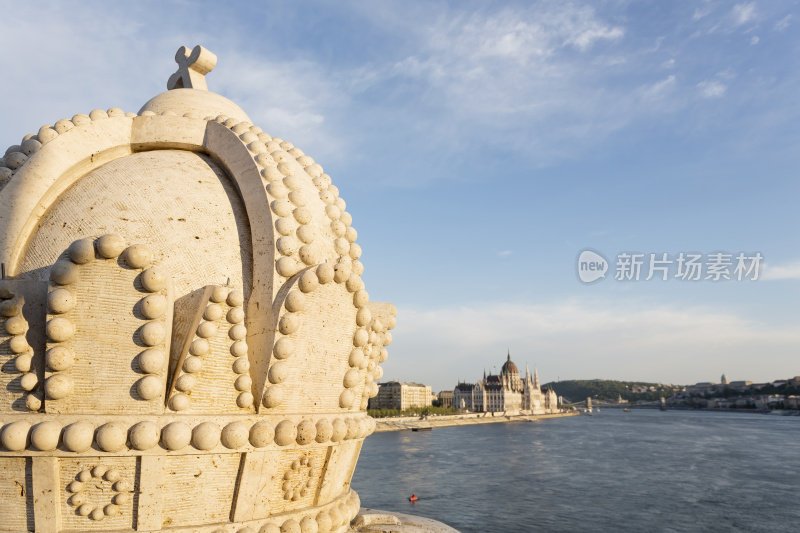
{"points": [[788, 271], [287, 98], [701, 12], [473, 51], [743, 13], [659, 89], [584, 339], [712, 89], [592, 32], [546, 81], [527, 74], [504, 253], [783, 23], [54, 82]]}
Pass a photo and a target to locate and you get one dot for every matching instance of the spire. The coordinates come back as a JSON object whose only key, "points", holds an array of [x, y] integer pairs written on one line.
{"points": [[509, 355], [536, 378]]}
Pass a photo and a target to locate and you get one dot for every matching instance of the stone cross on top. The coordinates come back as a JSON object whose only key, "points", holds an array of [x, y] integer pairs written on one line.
{"points": [[192, 68]]}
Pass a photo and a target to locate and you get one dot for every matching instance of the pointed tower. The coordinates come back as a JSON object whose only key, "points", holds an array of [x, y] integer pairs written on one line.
{"points": [[527, 385], [536, 378]]}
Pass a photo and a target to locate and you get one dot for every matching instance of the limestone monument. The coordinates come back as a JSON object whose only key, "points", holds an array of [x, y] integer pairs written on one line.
{"points": [[187, 344]]}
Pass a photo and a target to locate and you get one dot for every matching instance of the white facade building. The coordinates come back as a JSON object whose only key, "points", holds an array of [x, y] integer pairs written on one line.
{"points": [[399, 395], [507, 393]]}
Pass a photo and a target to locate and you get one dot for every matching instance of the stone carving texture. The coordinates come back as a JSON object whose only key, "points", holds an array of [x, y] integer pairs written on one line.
{"points": [[298, 479], [90, 290], [19, 374], [98, 492], [185, 338], [216, 352]]}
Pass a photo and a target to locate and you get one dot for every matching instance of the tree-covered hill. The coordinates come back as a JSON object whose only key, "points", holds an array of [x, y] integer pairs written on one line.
{"points": [[599, 389]]}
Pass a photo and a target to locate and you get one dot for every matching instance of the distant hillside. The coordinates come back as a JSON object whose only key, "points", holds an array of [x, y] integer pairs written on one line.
{"points": [[600, 389]]}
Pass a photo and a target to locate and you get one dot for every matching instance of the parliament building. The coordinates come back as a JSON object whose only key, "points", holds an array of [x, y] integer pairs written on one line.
{"points": [[507, 393]]}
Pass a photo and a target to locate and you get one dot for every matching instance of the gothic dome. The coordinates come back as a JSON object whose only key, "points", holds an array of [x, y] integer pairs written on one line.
{"points": [[509, 367]]}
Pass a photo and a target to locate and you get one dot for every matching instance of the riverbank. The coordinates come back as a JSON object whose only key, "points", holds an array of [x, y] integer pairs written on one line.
{"points": [[401, 423]]}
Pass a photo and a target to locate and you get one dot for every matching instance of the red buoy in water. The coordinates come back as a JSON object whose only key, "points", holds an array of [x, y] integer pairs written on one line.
{"points": [[413, 498]]}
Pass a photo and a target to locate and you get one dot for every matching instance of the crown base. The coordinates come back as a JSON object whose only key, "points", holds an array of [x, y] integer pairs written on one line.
{"points": [[371, 520]]}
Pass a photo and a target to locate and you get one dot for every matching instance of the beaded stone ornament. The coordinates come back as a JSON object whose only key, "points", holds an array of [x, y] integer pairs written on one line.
{"points": [[187, 344]]}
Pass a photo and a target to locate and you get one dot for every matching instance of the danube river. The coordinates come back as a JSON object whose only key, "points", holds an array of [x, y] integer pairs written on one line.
{"points": [[642, 471]]}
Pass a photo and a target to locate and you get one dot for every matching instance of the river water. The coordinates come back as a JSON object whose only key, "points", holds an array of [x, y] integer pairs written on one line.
{"points": [[641, 471]]}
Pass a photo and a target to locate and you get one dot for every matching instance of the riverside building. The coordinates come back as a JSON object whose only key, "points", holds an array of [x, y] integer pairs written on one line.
{"points": [[446, 398], [400, 395], [507, 392]]}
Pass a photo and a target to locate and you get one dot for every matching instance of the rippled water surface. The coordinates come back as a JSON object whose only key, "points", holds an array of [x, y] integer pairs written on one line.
{"points": [[614, 471]]}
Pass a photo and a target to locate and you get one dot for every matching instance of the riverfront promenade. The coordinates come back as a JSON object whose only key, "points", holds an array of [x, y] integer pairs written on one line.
{"points": [[399, 423]]}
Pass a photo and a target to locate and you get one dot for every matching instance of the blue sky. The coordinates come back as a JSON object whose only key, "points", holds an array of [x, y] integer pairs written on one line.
{"points": [[481, 146]]}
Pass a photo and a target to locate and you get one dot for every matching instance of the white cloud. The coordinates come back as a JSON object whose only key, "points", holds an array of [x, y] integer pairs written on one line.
{"points": [[545, 80], [528, 76], [659, 89], [467, 48], [588, 339], [783, 23], [743, 13], [289, 99], [712, 89], [701, 12], [504, 253], [125, 63], [524, 35], [789, 271], [66, 72], [727, 74], [656, 45], [593, 32], [754, 40]]}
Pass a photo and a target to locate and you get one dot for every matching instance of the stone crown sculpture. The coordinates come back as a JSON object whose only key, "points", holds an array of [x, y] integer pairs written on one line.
{"points": [[186, 344]]}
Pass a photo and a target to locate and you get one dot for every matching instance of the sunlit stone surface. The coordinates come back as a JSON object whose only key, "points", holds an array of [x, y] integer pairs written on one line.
{"points": [[181, 296]]}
